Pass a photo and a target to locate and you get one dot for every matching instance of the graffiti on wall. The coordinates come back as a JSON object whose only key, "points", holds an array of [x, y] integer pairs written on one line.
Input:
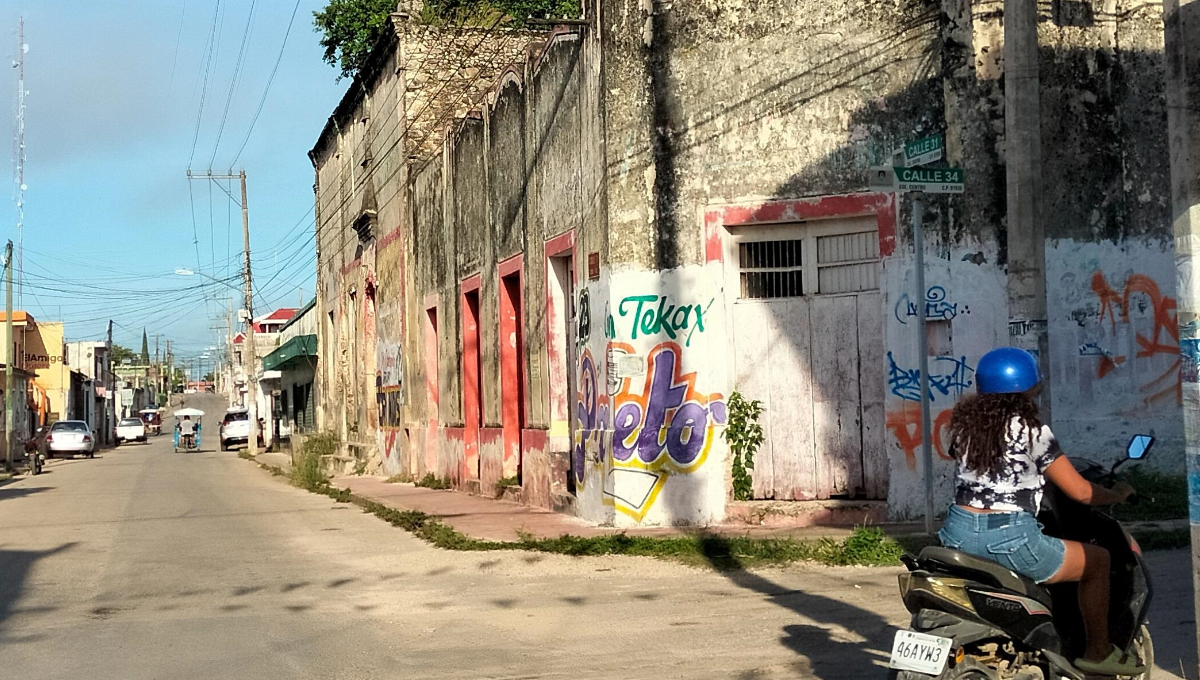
{"points": [[905, 425], [1140, 293], [389, 382], [651, 315], [660, 426], [937, 306], [583, 317], [948, 377]]}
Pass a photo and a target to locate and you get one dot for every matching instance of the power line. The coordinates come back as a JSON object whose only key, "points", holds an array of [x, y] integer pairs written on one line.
{"points": [[237, 69], [267, 89], [175, 58], [210, 50]]}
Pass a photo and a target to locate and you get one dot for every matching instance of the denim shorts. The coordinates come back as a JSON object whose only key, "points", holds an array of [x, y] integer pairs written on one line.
{"points": [[1013, 539]]}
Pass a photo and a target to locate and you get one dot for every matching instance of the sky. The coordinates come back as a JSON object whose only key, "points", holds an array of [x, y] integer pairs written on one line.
{"points": [[122, 98]]}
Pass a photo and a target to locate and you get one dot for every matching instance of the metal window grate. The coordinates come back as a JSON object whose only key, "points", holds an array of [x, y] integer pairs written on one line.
{"points": [[848, 263], [771, 269]]}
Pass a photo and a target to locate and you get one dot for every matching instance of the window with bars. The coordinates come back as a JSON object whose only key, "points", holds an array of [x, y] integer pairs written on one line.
{"points": [[771, 269], [817, 260]]}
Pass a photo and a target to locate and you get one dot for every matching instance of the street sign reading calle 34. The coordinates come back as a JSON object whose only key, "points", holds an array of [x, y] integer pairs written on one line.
{"points": [[930, 180]]}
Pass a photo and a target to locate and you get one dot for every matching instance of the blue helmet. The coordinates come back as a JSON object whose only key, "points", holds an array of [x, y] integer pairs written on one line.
{"points": [[1006, 370]]}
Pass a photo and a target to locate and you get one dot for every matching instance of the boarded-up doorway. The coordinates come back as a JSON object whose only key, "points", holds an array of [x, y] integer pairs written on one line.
{"points": [[808, 343]]}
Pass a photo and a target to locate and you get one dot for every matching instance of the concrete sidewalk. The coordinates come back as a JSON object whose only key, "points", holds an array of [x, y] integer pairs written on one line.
{"points": [[279, 459], [498, 520]]}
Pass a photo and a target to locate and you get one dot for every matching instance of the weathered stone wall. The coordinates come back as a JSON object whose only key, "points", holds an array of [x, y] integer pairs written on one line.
{"points": [[362, 164], [514, 179]]}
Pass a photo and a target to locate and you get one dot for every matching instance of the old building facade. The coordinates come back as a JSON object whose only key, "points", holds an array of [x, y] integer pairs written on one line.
{"points": [[623, 222]]}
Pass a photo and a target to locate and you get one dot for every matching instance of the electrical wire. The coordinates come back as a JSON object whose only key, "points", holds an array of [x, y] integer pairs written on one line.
{"points": [[271, 79], [210, 51], [237, 69]]}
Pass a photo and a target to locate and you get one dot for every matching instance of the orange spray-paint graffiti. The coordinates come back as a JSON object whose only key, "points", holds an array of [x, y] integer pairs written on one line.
{"points": [[905, 425], [1163, 339]]}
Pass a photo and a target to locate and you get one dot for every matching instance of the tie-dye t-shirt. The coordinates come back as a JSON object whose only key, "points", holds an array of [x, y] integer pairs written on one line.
{"points": [[1016, 484]]}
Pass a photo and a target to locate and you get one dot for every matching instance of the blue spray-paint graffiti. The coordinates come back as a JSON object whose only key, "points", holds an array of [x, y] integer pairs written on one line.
{"points": [[947, 376], [937, 306]]}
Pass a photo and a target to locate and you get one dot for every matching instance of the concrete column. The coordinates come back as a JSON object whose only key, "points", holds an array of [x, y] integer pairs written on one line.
{"points": [[1023, 167], [1181, 19]]}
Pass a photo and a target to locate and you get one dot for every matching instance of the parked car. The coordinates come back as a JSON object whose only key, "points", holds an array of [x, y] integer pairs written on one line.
{"points": [[131, 430], [235, 428], [70, 437]]}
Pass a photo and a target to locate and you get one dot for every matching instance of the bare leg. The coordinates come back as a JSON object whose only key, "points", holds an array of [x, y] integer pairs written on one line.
{"points": [[1089, 565]]}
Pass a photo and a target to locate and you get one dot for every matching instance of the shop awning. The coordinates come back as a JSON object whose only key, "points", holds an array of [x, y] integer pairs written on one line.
{"points": [[297, 348]]}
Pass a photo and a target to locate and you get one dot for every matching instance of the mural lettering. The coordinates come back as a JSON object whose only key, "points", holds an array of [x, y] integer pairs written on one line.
{"points": [[947, 376], [1142, 294], [669, 319], [661, 425], [583, 317], [937, 306]]}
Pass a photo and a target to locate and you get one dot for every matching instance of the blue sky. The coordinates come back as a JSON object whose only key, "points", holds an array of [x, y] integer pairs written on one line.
{"points": [[114, 90]]}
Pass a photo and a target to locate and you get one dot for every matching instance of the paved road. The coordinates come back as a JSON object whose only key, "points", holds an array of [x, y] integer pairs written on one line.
{"points": [[144, 563]]}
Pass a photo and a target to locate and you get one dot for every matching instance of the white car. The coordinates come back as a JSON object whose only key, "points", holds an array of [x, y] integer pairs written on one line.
{"points": [[131, 430], [70, 437], [235, 428]]}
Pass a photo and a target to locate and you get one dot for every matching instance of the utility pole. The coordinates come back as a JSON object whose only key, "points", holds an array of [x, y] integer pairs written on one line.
{"points": [[1028, 327], [252, 364], [110, 386], [1181, 23], [9, 364], [249, 355]]}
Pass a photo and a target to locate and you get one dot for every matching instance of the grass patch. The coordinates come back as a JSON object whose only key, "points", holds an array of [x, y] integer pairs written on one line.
{"points": [[432, 481], [245, 455], [396, 479], [867, 546], [306, 466], [508, 481], [1160, 496]]}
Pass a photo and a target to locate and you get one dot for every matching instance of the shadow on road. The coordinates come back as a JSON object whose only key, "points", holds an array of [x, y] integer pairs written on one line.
{"points": [[848, 642], [15, 566], [7, 493]]}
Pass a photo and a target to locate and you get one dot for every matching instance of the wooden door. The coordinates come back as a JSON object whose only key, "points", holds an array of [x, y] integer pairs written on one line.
{"points": [[808, 344]]}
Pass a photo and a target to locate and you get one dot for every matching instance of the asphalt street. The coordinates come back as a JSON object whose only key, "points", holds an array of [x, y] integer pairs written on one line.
{"points": [[144, 563]]}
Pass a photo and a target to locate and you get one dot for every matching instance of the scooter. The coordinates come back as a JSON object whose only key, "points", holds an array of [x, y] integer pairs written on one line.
{"points": [[973, 618]]}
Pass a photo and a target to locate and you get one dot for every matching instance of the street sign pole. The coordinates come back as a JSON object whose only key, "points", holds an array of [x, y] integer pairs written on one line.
{"points": [[918, 217]]}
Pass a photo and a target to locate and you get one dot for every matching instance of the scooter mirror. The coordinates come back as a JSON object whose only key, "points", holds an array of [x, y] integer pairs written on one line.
{"points": [[1139, 446]]}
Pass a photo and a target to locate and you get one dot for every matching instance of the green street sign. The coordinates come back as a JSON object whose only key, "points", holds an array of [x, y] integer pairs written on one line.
{"points": [[930, 180], [924, 150]]}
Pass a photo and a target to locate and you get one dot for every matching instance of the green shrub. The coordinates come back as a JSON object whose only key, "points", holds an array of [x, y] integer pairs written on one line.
{"points": [[432, 481], [306, 467]]}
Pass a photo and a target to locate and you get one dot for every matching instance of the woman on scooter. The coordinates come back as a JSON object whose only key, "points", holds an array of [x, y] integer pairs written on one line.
{"points": [[1005, 454]]}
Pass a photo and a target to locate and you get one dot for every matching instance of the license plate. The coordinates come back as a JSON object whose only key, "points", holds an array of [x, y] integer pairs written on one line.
{"points": [[919, 652]]}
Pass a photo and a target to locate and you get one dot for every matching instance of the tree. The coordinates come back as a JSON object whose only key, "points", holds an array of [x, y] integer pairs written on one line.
{"points": [[351, 28], [145, 348], [121, 354]]}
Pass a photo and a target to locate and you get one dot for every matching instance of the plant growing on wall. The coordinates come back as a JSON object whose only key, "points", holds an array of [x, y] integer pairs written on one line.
{"points": [[744, 435]]}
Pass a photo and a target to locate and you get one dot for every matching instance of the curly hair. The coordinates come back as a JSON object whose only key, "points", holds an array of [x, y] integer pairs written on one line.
{"points": [[979, 427]]}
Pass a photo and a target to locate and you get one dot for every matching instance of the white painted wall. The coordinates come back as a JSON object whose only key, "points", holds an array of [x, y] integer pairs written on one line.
{"points": [[970, 298], [1114, 348], [650, 408]]}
